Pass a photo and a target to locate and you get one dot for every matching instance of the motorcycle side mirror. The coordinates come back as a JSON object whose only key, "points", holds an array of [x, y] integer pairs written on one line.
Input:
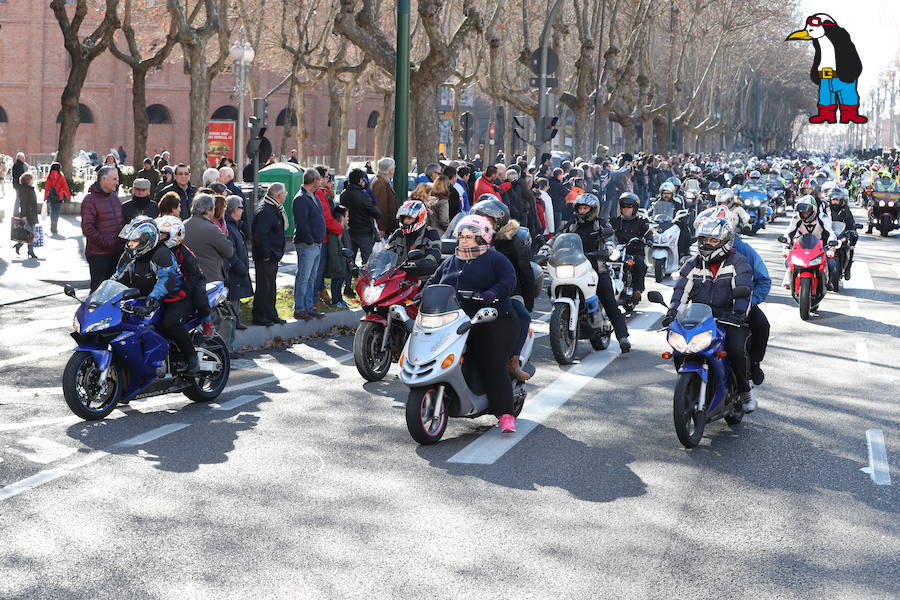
{"points": [[859, 225], [131, 294], [746, 231], [69, 291], [448, 246], [607, 232], [656, 298], [415, 255], [741, 292], [832, 243], [783, 239], [399, 312]]}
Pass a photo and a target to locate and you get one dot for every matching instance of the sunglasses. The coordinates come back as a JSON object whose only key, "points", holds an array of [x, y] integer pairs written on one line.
{"points": [[817, 22]]}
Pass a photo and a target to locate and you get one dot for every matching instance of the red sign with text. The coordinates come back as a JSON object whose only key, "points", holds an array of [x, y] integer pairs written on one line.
{"points": [[220, 141]]}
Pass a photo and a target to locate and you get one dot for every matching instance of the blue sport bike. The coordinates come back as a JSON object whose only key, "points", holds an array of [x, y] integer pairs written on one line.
{"points": [[706, 388], [121, 357]]}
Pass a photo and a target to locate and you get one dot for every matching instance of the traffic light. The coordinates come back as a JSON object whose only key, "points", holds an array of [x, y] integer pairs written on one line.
{"points": [[467, 123], [519, 127], [258, 124], [548, 129]]}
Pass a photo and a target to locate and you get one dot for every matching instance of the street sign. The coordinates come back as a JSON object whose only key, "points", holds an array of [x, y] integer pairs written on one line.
{"points": [[535, 82], [552, 61]]}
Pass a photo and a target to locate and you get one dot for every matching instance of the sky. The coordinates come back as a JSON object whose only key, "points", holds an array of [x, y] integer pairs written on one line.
{"points": [[874, 27]]}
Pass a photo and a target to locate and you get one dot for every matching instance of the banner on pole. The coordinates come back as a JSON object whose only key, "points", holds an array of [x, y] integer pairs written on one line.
{"points": [[220, 141]]}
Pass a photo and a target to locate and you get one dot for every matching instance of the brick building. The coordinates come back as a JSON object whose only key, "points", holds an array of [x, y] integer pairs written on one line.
{"points": [[33, 65]]}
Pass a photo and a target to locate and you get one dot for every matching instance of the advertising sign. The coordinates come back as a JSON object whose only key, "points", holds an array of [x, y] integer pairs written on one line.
{"points": [[220, 141]]}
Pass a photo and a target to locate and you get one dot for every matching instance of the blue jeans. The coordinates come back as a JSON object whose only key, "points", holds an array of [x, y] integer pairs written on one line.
{"points": [[305, 279], [55, 208], [320, 272], [834, 91]]}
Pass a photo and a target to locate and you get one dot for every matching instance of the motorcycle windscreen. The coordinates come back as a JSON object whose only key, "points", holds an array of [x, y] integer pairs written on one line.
{"points": [[839, 227], [692, 185], [438, 299], [663, 210], [808, 241], [106, 292], [566, 250], [787, 175], [380, 263], [694, 314]]}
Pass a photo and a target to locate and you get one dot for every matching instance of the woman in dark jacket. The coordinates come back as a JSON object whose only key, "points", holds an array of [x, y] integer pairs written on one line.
{"points": [[26, 200], [111, 161], [237, 277]]}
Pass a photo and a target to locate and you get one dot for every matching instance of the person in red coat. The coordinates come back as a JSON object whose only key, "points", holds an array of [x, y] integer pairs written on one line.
{"points": [[332, 226], [489, 183], [56, 191], [101, 222]]}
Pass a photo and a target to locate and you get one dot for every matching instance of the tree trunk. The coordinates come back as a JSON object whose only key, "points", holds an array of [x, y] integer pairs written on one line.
{"points": [[647, 134], [383, 140], [455, 125], [334, 115], [302, 132], [507, 134], [141, 122], [70, 121], [423, 99], [660, 131], [198, 130], [602, 130], [629, 134], [345, 125], [580, 136]]}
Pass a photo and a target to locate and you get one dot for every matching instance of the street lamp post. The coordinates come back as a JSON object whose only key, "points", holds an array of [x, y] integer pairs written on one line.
{"points": [[242, 54]]}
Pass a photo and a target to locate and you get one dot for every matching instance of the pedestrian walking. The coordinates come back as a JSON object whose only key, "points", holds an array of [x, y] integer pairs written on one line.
{"points": [[101, 221], [205, 239], [26, 208], [269, 225], [385, 198], [19, 167], [309, 232], [56, 191], [237, 277]]}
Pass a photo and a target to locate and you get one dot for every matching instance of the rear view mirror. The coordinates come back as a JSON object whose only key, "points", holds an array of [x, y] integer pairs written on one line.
{"points": [[656, 298], [448, 246], [69, 291], [782, 239], [832, 243]]}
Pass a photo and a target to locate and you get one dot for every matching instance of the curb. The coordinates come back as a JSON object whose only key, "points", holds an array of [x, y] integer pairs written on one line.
{"points": [[255, 335]]}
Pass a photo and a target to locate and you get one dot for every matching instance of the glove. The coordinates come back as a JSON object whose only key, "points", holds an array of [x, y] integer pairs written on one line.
{"points": [[142, 312], [667, 320], [738, 318], [489, 297]]}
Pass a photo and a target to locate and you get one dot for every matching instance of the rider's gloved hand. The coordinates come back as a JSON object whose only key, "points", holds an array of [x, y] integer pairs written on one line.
{"points": [[142, 312], [489, 296], [667, 320], [738, 318]]}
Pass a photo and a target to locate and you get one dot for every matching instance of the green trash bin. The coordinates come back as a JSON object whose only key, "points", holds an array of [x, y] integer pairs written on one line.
{"points": [[291, 175]]}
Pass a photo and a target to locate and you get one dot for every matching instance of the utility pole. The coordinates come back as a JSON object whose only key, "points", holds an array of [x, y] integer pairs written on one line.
{"points": [[542, 113], [401, 103], [669, 114]]}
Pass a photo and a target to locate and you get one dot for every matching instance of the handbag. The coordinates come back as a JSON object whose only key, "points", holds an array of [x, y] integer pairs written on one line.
{"points": [[53, 196], [38, 236], [21, 231]]}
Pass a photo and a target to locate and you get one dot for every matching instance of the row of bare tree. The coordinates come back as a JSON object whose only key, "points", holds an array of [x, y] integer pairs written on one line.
{"points": [[714, 67]]}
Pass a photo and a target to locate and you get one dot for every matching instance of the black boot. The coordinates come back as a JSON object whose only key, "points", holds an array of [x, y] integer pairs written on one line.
{"points": [[31, 253], [193, 365], [18, 247]]}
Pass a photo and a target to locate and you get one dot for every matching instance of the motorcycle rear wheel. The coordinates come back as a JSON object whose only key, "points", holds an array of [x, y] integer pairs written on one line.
{"points": [[79, 379], [804, 298], [371, 362], [208, 387], [659, 269], [884, 226], [689, 423], [420, 421], [562, 339]]}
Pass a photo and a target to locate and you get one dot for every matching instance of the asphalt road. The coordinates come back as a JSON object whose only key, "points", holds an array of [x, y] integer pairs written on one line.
{"points": [[310, 486]]}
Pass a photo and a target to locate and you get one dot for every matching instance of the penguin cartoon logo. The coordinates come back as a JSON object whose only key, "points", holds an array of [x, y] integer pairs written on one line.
{"points": [[836, 68]]}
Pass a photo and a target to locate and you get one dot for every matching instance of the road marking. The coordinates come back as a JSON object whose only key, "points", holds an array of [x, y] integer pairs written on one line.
{"points": [[491, 445], [31, 358], [854, 307], [878, 468], [862, 354], [232, 404], [860, 278], [40, 450], [149, 436], [39, 479], [897, 269], [33, 327]]}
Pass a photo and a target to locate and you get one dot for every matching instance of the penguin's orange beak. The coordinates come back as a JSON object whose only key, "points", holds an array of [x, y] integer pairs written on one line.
{"points": [[800, 34]]}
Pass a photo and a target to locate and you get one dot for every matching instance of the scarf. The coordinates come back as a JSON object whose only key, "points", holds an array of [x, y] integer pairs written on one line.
{"points": [[470, 253], [269, 200]]}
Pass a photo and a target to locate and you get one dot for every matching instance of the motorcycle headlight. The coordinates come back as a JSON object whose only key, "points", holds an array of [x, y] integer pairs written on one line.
{"points": [[882, 203], [372, 293], [101, 324], [76, 324], [614, 255], [436, 321], [676, 340], [565, 271], [756, 203], [699, 342]]}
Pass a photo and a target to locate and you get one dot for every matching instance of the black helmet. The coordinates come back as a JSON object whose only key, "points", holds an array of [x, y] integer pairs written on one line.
{"points": [[629, 199], [590, 201], [493, 209], [837, 193]]}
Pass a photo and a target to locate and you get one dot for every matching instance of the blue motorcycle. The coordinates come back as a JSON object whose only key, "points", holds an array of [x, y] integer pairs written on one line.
{"points": [[756, 203], [122, 357], [706, 388]]}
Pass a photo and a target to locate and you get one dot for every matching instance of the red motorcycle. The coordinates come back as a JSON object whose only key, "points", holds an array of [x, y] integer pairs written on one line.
{"points": [[380, 338], [808, 267]]}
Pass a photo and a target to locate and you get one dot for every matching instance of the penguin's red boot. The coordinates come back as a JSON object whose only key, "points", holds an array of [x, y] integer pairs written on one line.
{"points": [[827, 114], [849, 114]]}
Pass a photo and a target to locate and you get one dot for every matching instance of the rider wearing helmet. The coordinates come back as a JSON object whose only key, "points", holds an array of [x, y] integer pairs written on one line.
{"points": [[628, 225], [476, 267], [709, 278], [668, 192], [808, 220], [415, 234], [514, 242], [148, 265], [193, 285], [755, 178], [840, 213], [595, 236]]}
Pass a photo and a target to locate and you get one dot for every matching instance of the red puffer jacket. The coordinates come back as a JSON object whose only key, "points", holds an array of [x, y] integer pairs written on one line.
{"points": [[101, 222]]}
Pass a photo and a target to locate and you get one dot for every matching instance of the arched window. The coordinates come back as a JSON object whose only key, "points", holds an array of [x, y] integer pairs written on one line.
{"points": [[225, 113], [3, 117], [373, 119], [158, 114], [282, 117], [84, 115]]}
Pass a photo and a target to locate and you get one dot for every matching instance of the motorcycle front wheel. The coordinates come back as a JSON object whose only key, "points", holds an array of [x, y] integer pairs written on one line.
{"points": [[371, 362], [206, 387], [562, 339], [87, 396], [804, 298], [421, 405], [689, 422]]}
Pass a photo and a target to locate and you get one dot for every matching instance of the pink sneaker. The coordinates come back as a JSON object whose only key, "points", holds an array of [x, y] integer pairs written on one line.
{"points": [[507, 424]]}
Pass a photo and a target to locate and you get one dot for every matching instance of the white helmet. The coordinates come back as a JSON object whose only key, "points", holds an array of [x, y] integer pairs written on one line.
{"points": [[172, 226]]}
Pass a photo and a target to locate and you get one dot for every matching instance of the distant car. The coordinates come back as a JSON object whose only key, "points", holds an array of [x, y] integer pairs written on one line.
{"points": [[339, 182]]}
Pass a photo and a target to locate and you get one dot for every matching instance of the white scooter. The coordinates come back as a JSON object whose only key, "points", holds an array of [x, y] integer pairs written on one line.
{"points": [[662, 254], [441, 382], [577, 313]]}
